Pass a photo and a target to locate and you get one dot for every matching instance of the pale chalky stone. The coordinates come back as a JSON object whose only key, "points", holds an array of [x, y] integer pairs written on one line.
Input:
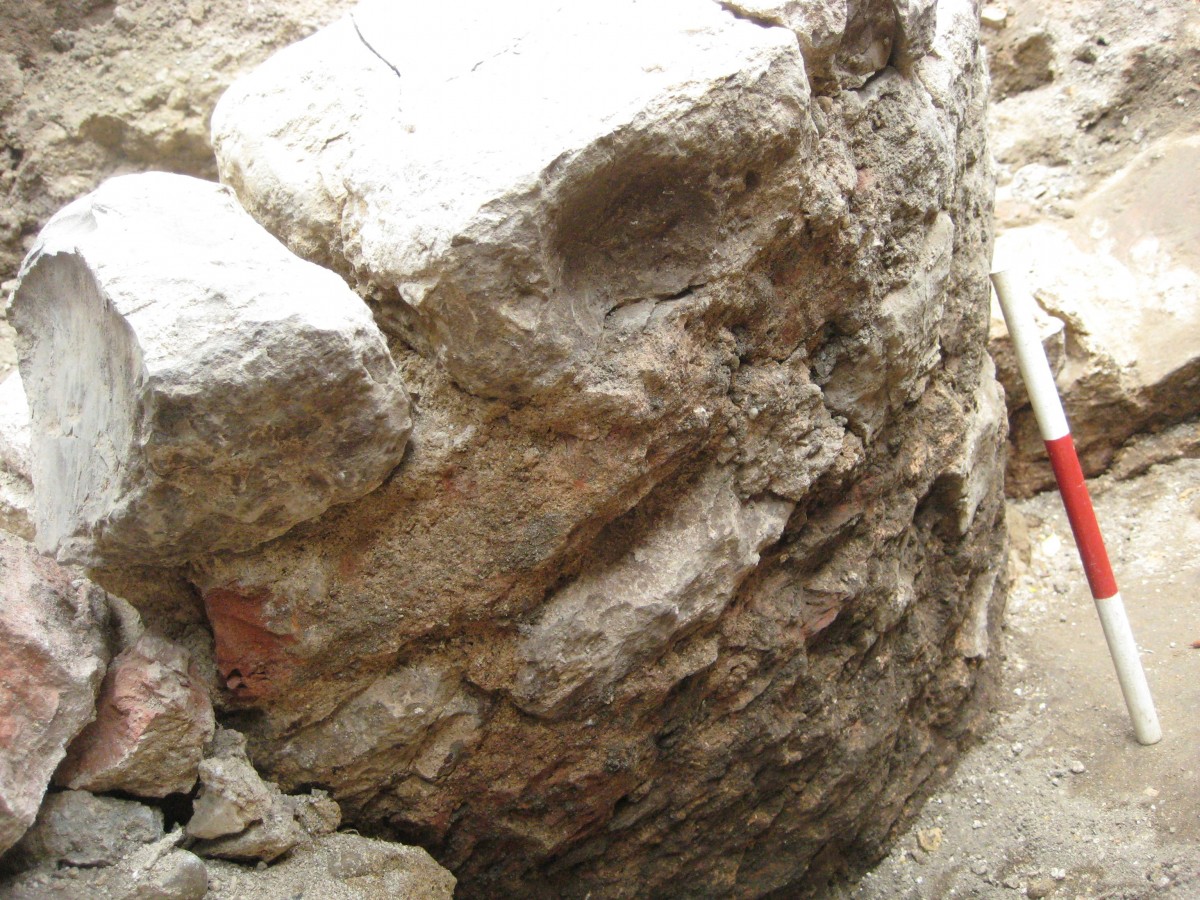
{"points": [[505, 177], [193, 386]]}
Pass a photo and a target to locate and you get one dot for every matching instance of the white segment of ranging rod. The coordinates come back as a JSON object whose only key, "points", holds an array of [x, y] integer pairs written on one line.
{"points": [[1031, 358], [1130, 675]]}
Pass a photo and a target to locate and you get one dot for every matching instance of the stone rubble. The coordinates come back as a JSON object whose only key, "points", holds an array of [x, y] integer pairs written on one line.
{"points": [[232, 796], [344, 641], [53, 655], [152, 723], [696, 535], [238, 816]]}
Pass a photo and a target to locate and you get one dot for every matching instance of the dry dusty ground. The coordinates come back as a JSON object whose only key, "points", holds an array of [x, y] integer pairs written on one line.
{"points": [[1060, 801]]}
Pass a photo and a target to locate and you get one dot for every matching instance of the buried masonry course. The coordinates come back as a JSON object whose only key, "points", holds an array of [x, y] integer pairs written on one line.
{"points": [[645, 525]]}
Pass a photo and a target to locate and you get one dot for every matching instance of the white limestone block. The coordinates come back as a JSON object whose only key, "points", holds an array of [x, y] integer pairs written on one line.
{"points": [[193, 386], [506, 176]]}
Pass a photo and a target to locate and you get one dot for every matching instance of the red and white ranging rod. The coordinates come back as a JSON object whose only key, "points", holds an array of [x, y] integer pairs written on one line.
{"points": [[1052, 421]]}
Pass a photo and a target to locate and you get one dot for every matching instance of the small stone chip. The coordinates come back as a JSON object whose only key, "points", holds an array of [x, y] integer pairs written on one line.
{"points": [[930, 839], [994, 16], [1039, 886]]}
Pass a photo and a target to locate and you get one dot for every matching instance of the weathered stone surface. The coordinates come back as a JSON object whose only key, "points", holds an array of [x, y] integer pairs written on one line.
{"points": [[343, 867], [153, 720], [222, 390], [239, 816], [676, 296], [155, 870], [669, 582], [316, 813], [845, 42], [1144, 451], [630, 176], [16, 488], [52, 659], [1118, 287], [1025, 63], [232, 796], [75, 828], [160, 872], [274, 833], [415, 721]]}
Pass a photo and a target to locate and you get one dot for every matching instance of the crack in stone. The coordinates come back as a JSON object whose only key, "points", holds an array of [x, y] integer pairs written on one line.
{"points": [[745, 15], [367, 44]]}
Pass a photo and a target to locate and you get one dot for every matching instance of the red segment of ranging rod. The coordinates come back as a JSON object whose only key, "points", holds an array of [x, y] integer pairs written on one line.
{"points": [[1052, 422], [1069, 475]]}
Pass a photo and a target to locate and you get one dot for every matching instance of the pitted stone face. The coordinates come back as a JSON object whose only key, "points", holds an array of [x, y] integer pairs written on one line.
{"points": [[504, 177], [193, 386]]}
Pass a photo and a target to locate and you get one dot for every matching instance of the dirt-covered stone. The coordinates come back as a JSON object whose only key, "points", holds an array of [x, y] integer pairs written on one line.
{"points": [[239, 816], [337, 867], [76, 828], [53, 654], [635, 331], [221, 389]]}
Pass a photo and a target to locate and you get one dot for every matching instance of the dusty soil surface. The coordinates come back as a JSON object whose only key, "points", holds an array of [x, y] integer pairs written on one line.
{"points": [[1061, 801], [1081, 87]]}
